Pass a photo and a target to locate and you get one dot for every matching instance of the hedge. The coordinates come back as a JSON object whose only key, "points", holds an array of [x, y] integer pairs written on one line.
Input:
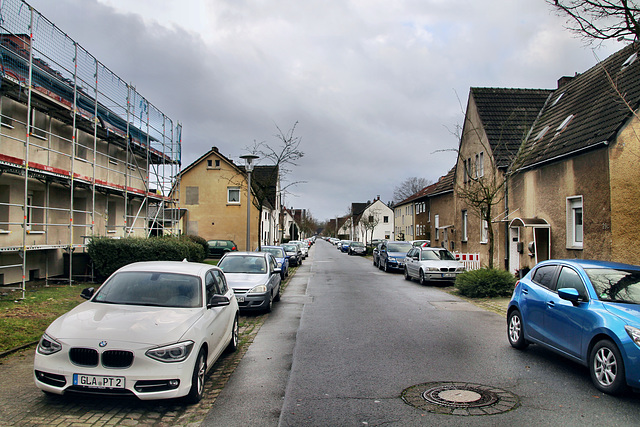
{"points": [[108, 255], [485, 282]]}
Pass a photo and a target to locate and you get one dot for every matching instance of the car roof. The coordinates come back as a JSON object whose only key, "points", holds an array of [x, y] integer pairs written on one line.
{"points": [[255, 254], [178, 267], [590, 263]]}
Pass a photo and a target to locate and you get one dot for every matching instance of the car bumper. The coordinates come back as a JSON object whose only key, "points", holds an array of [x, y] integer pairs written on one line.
{"points": [[395, 264], [146, 378], [435, 276], [253, 302]]}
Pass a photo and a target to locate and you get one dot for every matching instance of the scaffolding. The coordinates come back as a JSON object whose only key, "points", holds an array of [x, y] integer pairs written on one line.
{"points": [[82, 153]]}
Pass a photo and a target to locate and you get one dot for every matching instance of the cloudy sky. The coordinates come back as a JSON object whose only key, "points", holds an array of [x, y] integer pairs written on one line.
{"points": [[377, 87]]}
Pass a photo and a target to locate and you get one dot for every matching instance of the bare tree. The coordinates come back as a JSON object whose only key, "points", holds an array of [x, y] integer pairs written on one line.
{"points": [[601, 19], [370, 222], [283, 157], [409, 187]]}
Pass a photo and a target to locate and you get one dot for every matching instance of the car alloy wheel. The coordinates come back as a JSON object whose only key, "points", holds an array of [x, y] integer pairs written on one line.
{"points": [[423, 281], [515, 332], [607, 368], [406, 274], [235, 333], [197, 379], [386, 266]]}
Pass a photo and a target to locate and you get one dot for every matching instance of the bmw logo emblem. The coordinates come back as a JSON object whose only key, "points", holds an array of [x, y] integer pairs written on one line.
{"points": [[103, 344]]}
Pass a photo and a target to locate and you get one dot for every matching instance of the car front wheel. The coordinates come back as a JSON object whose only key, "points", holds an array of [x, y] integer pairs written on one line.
{"points": [[406, 274], [607, 368], [515, 331], [423, 280], [197, 379]]}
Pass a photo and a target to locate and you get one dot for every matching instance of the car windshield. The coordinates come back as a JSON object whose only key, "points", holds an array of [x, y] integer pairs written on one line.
{"points": [[243, 264], [289, 248], [439, 255], [358, 244], [276, 252], [616, 285], [151, 289], [399, 247]]}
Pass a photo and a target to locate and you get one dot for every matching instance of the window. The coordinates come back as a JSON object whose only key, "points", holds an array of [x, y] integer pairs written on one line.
{"points": [[465, 172], [570, 279], [209, 163], [385, 219], [6, 108], [484, 230], [544, 276], [192, 196], [213, 164], [233, 195], [465, 218], [574, 223], [38, 124], [480, 164], [437, 225]]}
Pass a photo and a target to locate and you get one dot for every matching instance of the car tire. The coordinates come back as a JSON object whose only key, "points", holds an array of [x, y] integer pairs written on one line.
{"points": [[277, 297], [235, 334], [607, 368], [423, 281], [197, 379], [406, 274], [385, 267], [515, 331], [269, 306], [375, 264]]}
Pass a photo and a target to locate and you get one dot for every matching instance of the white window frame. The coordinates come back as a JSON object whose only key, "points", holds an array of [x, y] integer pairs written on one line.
{"points": [[436, 220], [233, 202], [575, 222], [465, 225], [484, 229]]}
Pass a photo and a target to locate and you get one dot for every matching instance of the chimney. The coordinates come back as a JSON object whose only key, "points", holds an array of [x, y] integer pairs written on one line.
{"points": [[562, 81], [214, 149]]}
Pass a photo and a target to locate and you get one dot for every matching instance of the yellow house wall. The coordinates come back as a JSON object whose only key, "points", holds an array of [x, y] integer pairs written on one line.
{"points": [[213, 218], [624, 157], [543, 193]]}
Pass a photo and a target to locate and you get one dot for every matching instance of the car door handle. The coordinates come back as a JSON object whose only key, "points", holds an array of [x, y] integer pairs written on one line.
{"points": [[551, 304], [525, 291]]}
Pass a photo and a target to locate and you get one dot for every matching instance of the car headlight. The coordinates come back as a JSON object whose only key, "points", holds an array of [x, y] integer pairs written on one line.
{"points": [[260, 289], [48, 345], [279, 265], [634, 333], [433, 269], [171, 353]]}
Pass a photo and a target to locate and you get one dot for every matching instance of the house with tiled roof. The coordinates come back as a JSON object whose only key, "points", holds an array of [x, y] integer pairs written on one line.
{"points": [[442, 211], [573, 191], [213, 190], [375, 221], [496, 122]]}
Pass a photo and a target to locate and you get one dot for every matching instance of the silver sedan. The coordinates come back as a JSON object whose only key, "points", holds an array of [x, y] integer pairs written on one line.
{"points": [[431, 264]]}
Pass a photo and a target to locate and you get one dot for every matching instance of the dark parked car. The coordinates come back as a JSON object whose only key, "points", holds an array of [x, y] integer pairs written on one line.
{"points": [[587, 311], [281, 256], [391, 255], [217, 248], [294, 253], [357, 248]]}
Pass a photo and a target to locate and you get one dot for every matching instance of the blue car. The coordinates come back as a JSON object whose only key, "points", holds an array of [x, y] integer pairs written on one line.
{"points": [[587, 311], [281, 257]]}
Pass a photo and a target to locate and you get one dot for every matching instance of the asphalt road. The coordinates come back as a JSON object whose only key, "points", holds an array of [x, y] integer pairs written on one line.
{"points": [[347, 340]]}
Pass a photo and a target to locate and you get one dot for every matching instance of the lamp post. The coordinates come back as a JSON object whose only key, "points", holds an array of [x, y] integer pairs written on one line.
{"points": [[248, 159]]}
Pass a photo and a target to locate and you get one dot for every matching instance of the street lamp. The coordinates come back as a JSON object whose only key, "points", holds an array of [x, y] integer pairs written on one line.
{"points": [[248, 159]]}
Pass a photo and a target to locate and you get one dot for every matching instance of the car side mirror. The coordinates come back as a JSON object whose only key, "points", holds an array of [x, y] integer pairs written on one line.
{"points": [[218, 301], [87, 293], [569, 294], [276, 270]]}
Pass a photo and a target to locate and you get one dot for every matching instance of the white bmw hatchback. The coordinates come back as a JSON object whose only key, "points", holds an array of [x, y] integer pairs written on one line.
{"points": [[152, 330]]}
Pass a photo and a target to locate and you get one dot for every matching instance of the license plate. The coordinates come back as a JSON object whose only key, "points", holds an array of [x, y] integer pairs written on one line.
{"points": [[98, 381], [448, 275], [239, 299]]}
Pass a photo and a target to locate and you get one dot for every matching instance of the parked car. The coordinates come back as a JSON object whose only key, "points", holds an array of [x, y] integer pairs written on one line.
{"points": [[587, 311], [303, 247], [281, 257], [357, 248], [420, 242], [217, 248], [344, 246], [391, 255], [294, 253], [152, 330], [376, 254], [431, 265], [254, 278]]}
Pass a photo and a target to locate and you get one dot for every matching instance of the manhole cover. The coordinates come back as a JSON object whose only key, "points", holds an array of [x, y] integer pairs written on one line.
{"points": [[459, 398]]}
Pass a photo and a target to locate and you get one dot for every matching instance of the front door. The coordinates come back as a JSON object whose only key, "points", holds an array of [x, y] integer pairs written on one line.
{"points": [[514, 255]]}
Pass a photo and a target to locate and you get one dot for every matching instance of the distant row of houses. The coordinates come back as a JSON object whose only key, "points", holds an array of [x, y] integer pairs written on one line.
{"points": [[539, 174]]}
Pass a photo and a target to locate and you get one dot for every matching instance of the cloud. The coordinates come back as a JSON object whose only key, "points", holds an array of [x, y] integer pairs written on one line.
{"points": [[373, 84]]}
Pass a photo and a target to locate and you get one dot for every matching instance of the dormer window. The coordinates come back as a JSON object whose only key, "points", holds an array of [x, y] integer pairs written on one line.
{"points": [[630, 60], [564, 124]]}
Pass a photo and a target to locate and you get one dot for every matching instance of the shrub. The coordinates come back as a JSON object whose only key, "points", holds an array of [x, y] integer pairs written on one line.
{"points": [[485, 282], [108, 255], [199, 240]]}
